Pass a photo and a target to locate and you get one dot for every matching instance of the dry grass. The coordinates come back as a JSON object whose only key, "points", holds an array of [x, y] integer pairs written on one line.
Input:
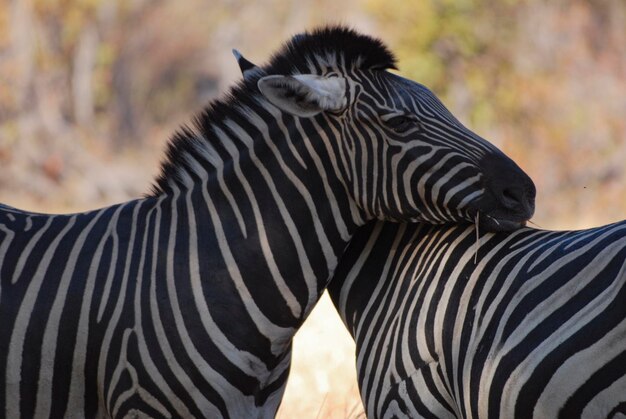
{"points": [[322, 382]]}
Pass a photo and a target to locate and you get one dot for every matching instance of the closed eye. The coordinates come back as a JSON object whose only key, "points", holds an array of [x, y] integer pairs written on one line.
{"points": [[401, 123]]}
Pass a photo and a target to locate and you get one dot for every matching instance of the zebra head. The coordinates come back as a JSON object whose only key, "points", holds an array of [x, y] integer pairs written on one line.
{"points": [[400, 152]]}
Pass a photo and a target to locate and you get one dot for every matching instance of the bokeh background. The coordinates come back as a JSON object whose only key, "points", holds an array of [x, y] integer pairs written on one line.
{"points": [[91, 90]]}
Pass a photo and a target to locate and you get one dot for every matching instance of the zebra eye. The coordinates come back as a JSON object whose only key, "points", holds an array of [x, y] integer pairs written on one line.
{"points": [[401, 123]]}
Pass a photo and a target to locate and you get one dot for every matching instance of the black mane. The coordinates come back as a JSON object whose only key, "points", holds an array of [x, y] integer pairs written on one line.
{"points": [[349, 48], [333, 46]]}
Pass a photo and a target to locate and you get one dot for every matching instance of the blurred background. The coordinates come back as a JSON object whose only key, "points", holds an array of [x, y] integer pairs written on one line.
{"points": [[91, 90]]}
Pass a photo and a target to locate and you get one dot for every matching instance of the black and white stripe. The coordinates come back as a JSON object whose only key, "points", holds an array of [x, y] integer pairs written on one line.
{"points": [[529, 324], [184, 303]]}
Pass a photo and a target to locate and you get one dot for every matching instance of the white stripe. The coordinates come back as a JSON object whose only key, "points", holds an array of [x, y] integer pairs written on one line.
{"points": [[29, 248], [207, 151], [279, 336], [163, 342], [135, 388], [111, 328], [50, 336], [236, 402], [76, 398], [112, 267], [307, 270], [6, 241], [247, 362], [22, 320]]}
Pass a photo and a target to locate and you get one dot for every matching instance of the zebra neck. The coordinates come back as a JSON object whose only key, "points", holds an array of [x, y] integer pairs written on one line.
{"points": [[278, 210]]}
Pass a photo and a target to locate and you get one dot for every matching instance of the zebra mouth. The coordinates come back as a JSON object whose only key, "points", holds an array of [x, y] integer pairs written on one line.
{"points": [[495, 224]]}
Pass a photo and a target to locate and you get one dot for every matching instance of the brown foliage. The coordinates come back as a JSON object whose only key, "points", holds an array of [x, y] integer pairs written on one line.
{"points": [[90, 90]]}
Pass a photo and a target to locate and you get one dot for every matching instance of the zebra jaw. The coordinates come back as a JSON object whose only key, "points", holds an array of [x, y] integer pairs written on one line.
{"points": [[494, 225]]}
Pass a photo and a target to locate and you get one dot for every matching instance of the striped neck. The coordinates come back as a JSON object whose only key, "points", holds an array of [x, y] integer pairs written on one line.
{"points": [[274, 183]]}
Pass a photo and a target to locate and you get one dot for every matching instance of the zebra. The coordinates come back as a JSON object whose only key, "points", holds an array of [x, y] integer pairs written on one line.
{"points": [[525, 324], [184, 303]]}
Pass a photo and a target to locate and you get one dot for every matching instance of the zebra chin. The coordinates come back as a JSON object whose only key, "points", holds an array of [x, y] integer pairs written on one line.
{"points": [[491, 221], [495, 224], [495, 216]]}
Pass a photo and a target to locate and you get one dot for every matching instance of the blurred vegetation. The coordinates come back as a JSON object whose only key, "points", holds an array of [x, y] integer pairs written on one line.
{"points": [[90, 90]]}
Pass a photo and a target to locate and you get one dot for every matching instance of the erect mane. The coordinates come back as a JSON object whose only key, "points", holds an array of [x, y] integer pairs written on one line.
{"points": [[335, 46], [309, 52]]}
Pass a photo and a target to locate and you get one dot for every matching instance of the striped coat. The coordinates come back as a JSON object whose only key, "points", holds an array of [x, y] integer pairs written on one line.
{"points": [[184, 303], [518, 325]]}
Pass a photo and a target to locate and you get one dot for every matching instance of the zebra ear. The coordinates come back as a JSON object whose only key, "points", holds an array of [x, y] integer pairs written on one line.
{"points": [[248, 69], [304, 95]]}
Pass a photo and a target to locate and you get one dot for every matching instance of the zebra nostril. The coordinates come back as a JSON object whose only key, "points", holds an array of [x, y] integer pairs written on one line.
{"points": [[512, 198]]}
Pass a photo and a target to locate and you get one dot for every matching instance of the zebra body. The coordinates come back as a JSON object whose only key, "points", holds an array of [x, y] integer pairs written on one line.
{"points": [[131, 316], [529, 324], [184, 303]]}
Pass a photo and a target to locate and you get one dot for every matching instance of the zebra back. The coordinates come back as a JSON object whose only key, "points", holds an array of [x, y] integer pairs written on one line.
{"points": [[524, 324]]}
